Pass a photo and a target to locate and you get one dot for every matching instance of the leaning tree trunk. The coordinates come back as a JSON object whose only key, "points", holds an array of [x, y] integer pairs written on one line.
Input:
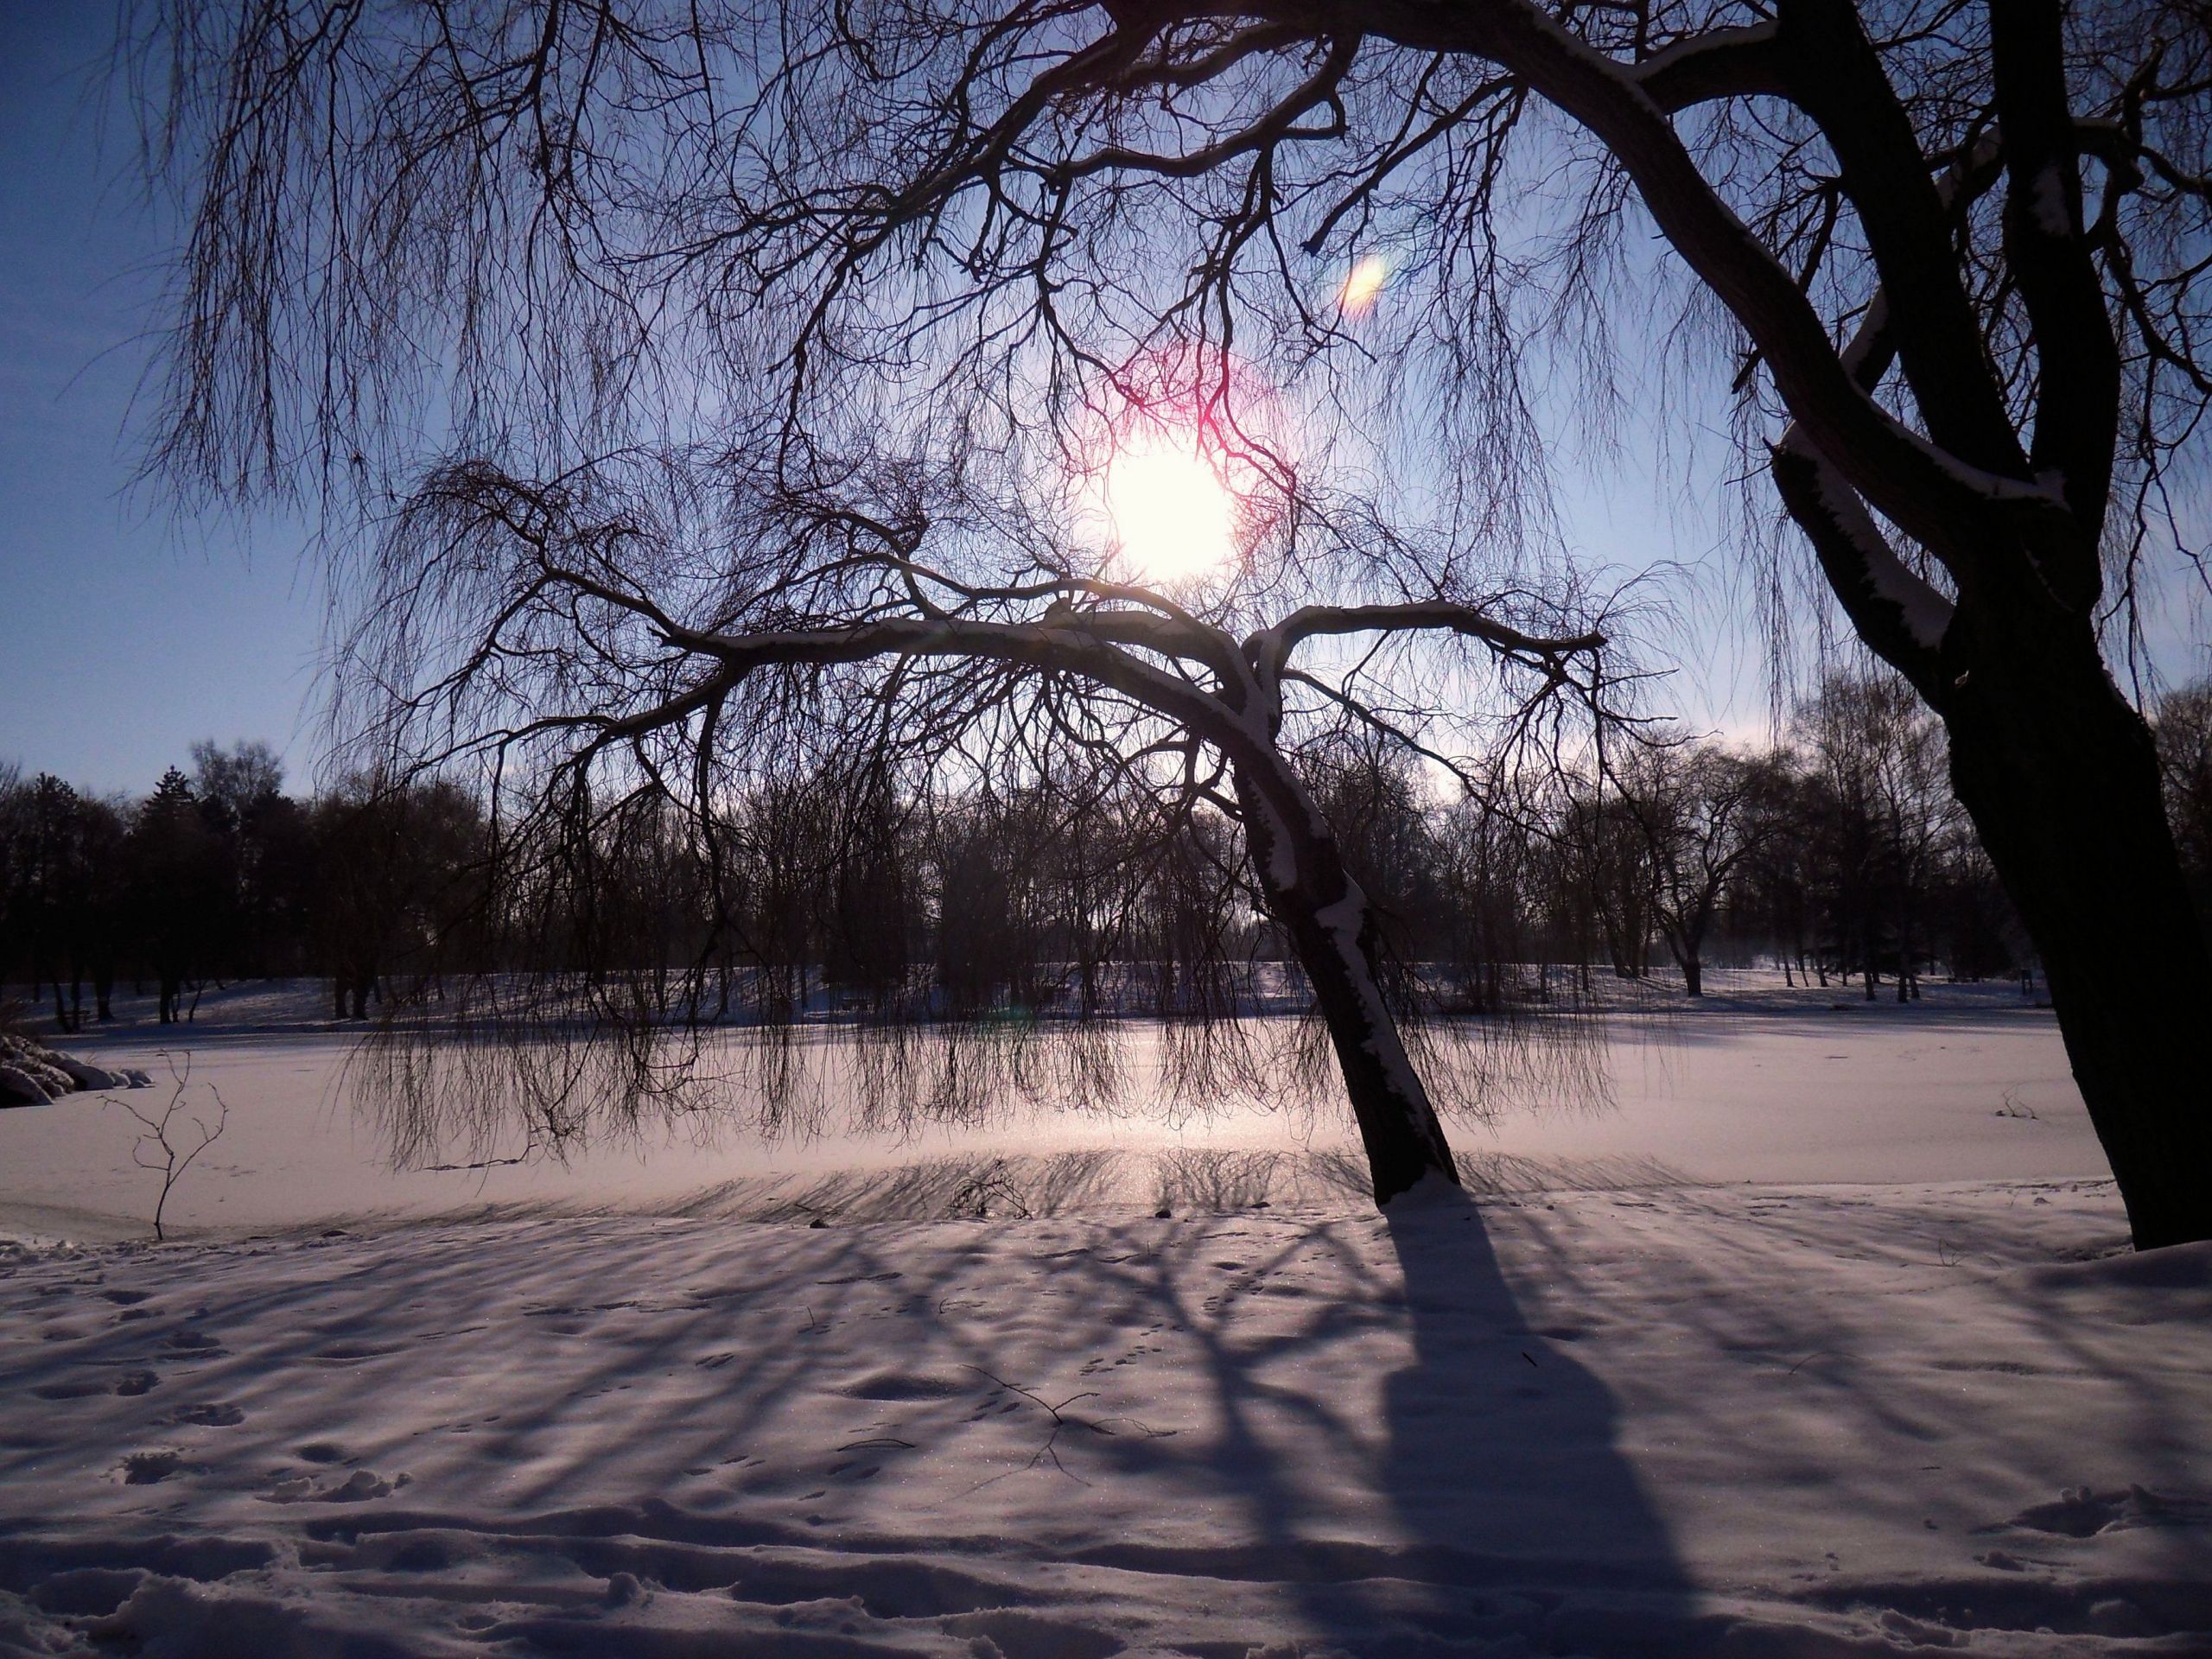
{"points": [[2061, 778], [1325, 913]]}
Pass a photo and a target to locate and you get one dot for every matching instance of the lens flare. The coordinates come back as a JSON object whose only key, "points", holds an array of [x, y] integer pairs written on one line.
{"points": [[1365, 280]]}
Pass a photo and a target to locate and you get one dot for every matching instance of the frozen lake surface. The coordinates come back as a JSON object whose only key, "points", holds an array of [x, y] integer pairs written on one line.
{"points": [[1761, 1086]]}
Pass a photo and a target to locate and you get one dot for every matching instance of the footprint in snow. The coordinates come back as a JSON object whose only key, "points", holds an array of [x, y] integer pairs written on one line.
{"points": [[76, 1388], [129, 1384], [911, 1385], [151, 1468], [206, 1414], [361, 1486], [2080, 1513]]}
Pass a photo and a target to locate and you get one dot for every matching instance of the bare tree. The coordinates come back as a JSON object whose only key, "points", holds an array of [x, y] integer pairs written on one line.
{"points": [[602, 657], [1877, 809], [1704, 812], [393, 863], [1949, 259], [156, 1149]]}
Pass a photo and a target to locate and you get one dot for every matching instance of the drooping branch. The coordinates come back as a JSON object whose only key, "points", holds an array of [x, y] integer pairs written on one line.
{"points": [[1834, 74], [1279, 125], [1898, 614], [1272, 646], [1913, 482]]}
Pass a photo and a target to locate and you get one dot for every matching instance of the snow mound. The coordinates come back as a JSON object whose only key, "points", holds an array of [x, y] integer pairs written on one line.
{"points": [[32, 1074]]}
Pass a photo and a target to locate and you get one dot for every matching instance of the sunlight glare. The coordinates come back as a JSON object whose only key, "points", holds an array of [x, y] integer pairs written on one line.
{"points": [[1173, 517], [1363, 284]]}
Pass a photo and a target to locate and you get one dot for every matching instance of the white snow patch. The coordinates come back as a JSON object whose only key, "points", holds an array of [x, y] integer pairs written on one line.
{"points": [[1282, 861], [1925, 612]]}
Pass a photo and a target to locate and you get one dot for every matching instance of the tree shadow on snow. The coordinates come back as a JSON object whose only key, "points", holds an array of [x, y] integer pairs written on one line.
{"points": [[1501, 1465], [1352, 1441]]}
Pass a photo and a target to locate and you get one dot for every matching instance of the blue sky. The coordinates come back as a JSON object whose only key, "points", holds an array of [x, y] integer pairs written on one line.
{"points": [[124, 635]]}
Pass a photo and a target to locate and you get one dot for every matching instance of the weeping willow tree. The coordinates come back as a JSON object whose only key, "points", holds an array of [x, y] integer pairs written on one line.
{"points": [[1942, 262], [704, 694]]}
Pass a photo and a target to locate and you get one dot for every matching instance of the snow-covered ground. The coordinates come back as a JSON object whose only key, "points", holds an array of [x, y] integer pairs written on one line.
{"points": [[1788, 1356]]}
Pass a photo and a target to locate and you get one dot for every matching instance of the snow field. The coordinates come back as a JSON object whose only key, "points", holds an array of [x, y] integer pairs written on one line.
{"points": [[1820, 1341], [1674, 1421]]}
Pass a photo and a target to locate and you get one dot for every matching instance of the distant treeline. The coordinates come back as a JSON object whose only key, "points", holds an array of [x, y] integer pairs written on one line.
{"points": [[218, 876], [1838, 854]]}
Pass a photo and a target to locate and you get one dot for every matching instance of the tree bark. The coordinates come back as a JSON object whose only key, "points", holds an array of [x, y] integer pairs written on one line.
{"points": [[1685, 928], [1326, 916], [2061, 778]]}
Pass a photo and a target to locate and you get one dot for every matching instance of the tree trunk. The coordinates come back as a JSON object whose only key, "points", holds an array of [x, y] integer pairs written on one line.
{"points": [[1397, 1124], [1326, 916], [1687, 953], [2061, 780]]}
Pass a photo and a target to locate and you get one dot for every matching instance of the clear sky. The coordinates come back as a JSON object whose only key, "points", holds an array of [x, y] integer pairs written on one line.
{"points": [[123, 637]]}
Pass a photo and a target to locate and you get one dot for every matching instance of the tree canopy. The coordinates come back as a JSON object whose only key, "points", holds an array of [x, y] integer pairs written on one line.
{"points": [[1941, 263]]}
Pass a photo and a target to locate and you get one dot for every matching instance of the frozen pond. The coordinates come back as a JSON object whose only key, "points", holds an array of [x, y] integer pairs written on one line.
{"points": [[1968, 1085]]}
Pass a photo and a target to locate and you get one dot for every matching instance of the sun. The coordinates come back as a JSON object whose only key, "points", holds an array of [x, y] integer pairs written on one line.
{"points": [[1174, 518]]}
